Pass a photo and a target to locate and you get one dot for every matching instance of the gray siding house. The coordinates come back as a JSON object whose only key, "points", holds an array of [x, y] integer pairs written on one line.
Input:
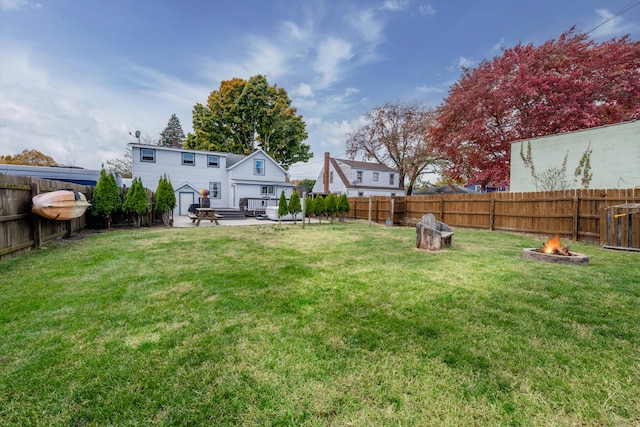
{"points": [[614, 159], [357, 179], [228, 177]]}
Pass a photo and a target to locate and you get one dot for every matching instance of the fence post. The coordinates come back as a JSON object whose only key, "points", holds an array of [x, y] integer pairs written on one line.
{"points": [[36, 223], [370, 206], [576, 209], [393, 203], [492, 216], [304, 206]]}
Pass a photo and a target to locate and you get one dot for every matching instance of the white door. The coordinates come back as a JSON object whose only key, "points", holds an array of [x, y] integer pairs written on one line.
{"points": [[185, 200]]}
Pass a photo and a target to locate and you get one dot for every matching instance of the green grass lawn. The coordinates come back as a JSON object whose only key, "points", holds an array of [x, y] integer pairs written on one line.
{"points": [[336, 324]]}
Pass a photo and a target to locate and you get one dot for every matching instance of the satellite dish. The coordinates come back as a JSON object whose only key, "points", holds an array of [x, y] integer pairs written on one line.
{"points": [[137, 134]]}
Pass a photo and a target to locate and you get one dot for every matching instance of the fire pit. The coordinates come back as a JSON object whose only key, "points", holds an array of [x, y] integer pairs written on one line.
{"points": [[553, 251]]}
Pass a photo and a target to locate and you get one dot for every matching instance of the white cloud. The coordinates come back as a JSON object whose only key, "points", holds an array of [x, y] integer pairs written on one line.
{"points": [[396, 5], [463, 62], [427, 10], [430, 89], [497, 48], [328, 136], [331, 54], [12, 4], [611, 26], [304, 90]]}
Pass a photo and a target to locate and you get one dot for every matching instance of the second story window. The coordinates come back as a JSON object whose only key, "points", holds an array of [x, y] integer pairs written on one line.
{"points": [[258, 167], [331, 177], [376, 176], [188, 159], [147, 155], [213, 161], [392, 179], [359, 177]]}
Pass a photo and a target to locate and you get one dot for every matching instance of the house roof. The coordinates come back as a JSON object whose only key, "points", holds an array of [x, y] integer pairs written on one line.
{"points": [[357, 165], [365, 165], [255, 153], [232, 158]]}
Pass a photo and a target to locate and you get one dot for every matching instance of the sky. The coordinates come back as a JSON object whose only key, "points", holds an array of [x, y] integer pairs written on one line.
{"points": [[79, 77]]}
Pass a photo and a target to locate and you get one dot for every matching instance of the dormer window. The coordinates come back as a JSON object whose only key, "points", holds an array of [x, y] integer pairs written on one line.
{"points": [[392, 179], [258, 167], [358, 177]]}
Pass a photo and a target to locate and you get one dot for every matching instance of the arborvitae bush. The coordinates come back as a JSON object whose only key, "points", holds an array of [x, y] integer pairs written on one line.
{"points": [[294, 206], [283, 207], [330, 205], [309, 208], [164, 199], [135, 202], [106, 197], [319, 207], [343, 206]]}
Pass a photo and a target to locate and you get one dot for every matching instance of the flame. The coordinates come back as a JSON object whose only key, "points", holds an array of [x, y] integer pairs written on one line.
{"points": [[552, 245]]}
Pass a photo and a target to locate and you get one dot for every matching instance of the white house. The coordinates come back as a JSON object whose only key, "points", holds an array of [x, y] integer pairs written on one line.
{"points": [[357, 179], [613, 152], [228, 177]]}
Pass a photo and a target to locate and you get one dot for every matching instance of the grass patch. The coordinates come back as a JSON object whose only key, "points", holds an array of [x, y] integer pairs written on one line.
{"points": [[337, 324]]}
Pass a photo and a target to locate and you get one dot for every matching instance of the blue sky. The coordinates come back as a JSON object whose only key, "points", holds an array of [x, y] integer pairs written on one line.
{"points": [[76, 76]]}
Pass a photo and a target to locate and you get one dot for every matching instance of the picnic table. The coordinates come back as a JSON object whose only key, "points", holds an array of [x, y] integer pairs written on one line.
{"points": [[204, 214]]}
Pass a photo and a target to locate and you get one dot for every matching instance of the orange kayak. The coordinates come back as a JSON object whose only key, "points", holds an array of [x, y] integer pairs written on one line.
{"points": [[60, 205]]}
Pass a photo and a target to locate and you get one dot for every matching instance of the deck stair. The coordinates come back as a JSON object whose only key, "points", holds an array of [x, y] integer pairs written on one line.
{"points": [[229, 214]]}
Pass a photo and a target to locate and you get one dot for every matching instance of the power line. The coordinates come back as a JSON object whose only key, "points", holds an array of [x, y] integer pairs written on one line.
{"points": [[618, 13]]}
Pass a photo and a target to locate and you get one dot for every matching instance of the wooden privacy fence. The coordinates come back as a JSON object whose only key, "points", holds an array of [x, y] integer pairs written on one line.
{"points": [[20, 230], [575, 214]]}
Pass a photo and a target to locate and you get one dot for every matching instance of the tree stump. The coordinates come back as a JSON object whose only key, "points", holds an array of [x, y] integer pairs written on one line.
{"points": [[432, 234]]}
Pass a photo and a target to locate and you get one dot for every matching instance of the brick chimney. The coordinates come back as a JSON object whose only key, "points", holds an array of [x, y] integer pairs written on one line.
{"points": [[325, 176], [174, 142]]}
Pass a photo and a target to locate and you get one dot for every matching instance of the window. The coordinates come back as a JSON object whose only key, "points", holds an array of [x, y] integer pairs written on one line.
{"points": [[214, 190], [147, 155], [358, 177], [189, 159], [258, 167], [268, 190], [360, 194], [331, 177], [376, 176], [213, 161], [392, 179]]}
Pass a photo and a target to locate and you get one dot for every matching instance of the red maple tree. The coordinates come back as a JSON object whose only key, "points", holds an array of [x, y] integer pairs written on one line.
{"points": [[529, 91]]}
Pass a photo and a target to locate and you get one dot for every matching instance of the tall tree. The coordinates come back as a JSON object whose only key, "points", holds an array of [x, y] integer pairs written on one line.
{"points": [[562, 85], [397, 135], [123, 164], [173, 132], [29, 158], [244, 115]]}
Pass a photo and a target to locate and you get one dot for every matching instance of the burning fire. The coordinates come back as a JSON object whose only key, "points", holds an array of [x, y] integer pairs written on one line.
{"points": [[553, 245]]}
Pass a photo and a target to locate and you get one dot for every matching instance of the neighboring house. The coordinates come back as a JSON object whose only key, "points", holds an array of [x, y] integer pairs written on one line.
{"points": [[228, 177], [357, 179], [614, 159]]}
